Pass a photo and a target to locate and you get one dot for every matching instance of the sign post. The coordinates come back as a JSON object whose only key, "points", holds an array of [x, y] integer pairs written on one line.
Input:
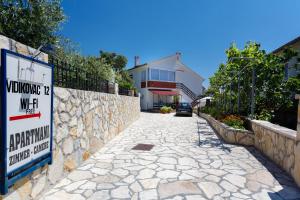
{"points": [[26, 116]]}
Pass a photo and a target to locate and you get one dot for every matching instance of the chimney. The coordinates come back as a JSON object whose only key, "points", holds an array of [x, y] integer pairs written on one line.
{"points": [[178, 55], [136, 60]]}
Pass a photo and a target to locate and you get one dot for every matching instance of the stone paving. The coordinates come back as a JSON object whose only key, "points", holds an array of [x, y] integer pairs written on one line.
{"points": [[178, 167]]}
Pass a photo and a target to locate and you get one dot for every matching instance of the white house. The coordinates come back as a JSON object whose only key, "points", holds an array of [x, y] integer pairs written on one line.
{"points": [[293, 65], [160, 80]]}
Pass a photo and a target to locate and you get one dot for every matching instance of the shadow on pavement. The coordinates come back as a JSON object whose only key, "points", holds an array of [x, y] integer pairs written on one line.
{"points": [[207, 138], [289, 189]]}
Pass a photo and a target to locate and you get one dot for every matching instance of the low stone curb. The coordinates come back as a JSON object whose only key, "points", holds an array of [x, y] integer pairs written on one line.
{"points": [[229, 134]]}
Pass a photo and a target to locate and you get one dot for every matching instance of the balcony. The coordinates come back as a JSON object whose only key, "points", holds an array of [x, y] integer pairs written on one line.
{"points": [[158, 84]]}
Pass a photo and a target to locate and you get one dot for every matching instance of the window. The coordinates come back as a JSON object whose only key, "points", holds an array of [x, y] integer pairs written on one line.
{"points": [[143, 75], [171, 76], [154, 74], [163, 75]]}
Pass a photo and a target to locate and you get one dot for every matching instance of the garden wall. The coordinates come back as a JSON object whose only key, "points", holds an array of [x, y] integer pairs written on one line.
{"points": [[229, 134], [276, 142], [83, 122], [296, 173]]}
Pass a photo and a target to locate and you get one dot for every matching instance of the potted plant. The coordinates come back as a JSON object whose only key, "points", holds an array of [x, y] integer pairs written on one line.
{"points": [[165, 109]]}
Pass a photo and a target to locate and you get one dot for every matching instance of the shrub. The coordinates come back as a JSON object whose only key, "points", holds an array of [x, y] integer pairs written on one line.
{"points": [[213, 111], [165, 109], [234, 121], [265, 115]]}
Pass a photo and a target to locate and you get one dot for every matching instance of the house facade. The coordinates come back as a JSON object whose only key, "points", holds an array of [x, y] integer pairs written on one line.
{"points": [[161, 80], [293, 65]]}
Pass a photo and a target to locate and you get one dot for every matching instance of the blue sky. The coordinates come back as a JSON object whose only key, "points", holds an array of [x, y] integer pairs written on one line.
{"points": [[200, 29]]}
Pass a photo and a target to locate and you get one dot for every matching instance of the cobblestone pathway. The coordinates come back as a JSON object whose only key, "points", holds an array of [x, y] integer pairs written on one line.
{"points": [[176, 168]]}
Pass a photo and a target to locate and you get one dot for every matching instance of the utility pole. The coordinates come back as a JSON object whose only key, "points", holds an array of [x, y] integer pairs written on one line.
{"points": [[253, 93], [238, 100]]}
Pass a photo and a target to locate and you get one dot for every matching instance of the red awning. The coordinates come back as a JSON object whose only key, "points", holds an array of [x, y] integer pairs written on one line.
{"points": [[164, 92]]}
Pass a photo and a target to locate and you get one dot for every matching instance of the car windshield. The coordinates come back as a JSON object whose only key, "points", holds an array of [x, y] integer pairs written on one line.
{"points": [[186, 105]]}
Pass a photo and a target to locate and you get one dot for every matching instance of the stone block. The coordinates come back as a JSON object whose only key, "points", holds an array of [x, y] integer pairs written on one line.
{"points": [[178, 187], [288, 163], [68, 146], [296, 171], [61, 132], [95, 144], [4, 42], [64, 117], [298, 125], [73, 121], [23, 187], [14, 195], [73, 132], [230, 137], [244, 139], [69, 165], [55, 171], [298, 131], [85, 155], [36, 173], [38, 187], [268, 148], [62, 94], [22, 49], [88, 121], [289, 146]]}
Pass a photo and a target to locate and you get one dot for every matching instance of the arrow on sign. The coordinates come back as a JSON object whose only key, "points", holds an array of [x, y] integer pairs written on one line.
{"points": [[18, 117]]}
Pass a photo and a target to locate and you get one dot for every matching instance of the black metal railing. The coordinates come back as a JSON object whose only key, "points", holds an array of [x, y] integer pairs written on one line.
{"points": [[127, 92], [74, 77], [186, 90], [124, 91]]}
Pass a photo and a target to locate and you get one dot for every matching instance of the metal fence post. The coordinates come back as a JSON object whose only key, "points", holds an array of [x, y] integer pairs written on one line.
{"points": [[238, 100], [107, 87], [230, 97], [224, 99], [253, 93]]}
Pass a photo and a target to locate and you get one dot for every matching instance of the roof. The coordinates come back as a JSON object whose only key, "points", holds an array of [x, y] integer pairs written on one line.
{"points": [[137, 66], [287, 45], [167, 57], [141, 65], [195, 73]]}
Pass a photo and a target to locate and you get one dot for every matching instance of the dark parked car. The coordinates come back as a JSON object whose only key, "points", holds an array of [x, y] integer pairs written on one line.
{"points": [[184, 109]]}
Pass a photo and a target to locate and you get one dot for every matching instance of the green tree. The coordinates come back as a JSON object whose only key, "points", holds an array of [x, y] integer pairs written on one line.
{"points": [[118, 63], [32, 22], [272, 91]]}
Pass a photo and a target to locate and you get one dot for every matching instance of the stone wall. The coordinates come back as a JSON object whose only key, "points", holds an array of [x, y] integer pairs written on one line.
{"points": [[9, 44], [296, 173], [276, 142], [282, 145], [83, 122], [229, 134]]}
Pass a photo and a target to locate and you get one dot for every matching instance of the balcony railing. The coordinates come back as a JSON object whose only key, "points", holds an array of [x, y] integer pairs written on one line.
{"points": [[186, 90]]}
